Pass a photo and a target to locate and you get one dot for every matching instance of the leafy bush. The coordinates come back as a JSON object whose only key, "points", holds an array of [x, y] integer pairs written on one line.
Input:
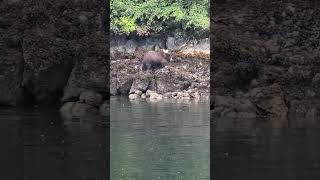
{"points": [[153, 16]]}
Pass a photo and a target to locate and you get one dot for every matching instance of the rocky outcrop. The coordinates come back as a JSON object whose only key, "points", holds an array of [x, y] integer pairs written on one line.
{"points": [[91, 70], [52, 49], [89, 103], [48, 62], [183, 77], [266, 55]]}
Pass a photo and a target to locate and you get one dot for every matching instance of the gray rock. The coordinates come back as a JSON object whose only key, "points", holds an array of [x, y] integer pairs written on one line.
{"points": [[83, 19], [138, 92], [91, 98], [183, 94], [130, 46], [153, 95], [195, 95], [168, 95], [66, 109], [171, 43], [124, 84], [91, 71], [82, 110], [47, 65], [133, 96], [141, 83]]}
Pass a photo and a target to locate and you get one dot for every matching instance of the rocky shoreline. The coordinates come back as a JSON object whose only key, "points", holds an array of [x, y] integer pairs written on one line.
{"points": [[266, 64], [187, 76], [61, 55]]}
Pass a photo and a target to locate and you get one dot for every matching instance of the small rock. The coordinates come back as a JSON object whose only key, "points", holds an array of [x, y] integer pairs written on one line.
{"points": [[133, 96], [130, 46], [168, 95], [66, 110], [183, 94], [156, 96], [153, 95], [143, 95], [138, 92], [149, 92], [91, 98], [83, 19], [195, 95], [81, 109]]}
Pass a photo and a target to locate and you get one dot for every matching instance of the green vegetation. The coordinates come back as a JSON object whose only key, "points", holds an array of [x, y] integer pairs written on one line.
{"points": [[153, 16]]}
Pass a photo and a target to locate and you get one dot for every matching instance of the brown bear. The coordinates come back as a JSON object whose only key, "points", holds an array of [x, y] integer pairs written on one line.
{"points": [[153, 59]]}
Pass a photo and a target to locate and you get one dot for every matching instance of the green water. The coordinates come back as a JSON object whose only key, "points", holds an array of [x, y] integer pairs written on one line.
{"points": [[159, 140]]}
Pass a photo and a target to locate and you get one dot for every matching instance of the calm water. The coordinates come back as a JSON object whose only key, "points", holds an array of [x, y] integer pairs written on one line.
{"points": [[159, 140], [36, 144], [265, 154]]}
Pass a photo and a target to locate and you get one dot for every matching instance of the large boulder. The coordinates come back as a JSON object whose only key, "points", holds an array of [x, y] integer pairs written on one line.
{"points": [[91, 70], [90, 97], [47, 65]]}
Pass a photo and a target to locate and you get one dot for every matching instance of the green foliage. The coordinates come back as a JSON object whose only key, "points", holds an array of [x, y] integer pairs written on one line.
{"points": [[145, 16]]}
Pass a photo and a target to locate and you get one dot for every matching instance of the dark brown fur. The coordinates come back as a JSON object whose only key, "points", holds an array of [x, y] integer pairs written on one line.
{"points": [[153, 60]]}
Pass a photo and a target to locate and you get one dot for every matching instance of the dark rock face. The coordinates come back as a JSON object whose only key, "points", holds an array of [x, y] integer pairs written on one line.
{"points": [[11, 55], [51, 49], [267, 53], [48, 62], [11, 70], [91, 70]]}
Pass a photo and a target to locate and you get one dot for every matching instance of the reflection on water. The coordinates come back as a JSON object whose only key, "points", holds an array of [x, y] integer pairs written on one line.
{"points": [[159, 140], [265, 153], [38, 145]]}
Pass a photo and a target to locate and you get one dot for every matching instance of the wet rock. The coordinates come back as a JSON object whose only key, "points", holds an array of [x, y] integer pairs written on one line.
{"points": [[138, 92], [77, 109], [91, 71], [195, 95], [270, 101], [81, 109], [47, 64], [228, 107], [153, 95], [124, 84], [90, 98], [66, 110], [183, 95], [169, 81], [141, 83], [133, 96], [168, 95]]}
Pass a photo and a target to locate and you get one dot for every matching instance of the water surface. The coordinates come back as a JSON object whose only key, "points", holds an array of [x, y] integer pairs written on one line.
{"points": [[252, 153], [36, 144], [159, 140]]}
